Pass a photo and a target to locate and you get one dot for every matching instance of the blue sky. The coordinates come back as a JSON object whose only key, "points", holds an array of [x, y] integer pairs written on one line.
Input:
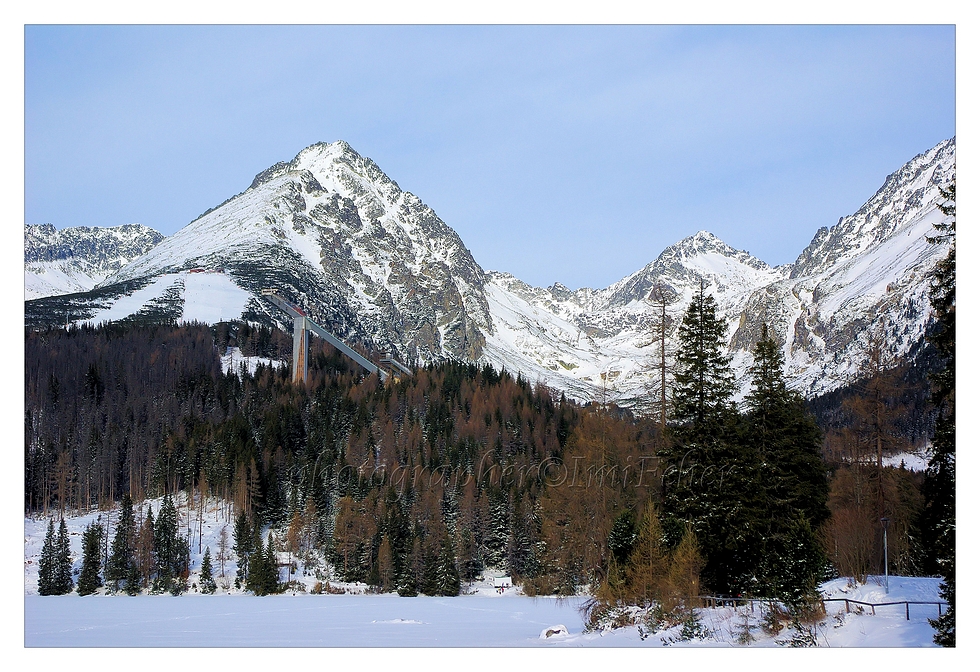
{"points": [[558, 153]]}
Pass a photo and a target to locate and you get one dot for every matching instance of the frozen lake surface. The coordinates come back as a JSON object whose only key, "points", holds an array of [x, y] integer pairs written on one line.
{"points": [[294, 620], [508, 620]]}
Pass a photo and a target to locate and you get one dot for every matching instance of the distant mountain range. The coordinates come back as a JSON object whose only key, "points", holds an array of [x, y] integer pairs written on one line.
{"points": [[377, 266], [77, 259]]}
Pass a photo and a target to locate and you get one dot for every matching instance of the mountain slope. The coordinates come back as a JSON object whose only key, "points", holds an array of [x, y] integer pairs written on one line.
{"points": [[76, 259], [864, 278]]}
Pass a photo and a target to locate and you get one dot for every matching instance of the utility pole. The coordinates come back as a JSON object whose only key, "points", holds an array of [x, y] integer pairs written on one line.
{"points": [[884, 525]]}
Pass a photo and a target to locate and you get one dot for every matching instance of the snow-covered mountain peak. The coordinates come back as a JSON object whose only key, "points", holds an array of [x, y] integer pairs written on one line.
{"points": [[697, 243], [702, 256], [338, 167], [338, 236], [697, 250], [322, 154]]}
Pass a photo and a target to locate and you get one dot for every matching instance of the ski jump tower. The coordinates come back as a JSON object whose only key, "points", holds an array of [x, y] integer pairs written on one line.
{"points": [[303, 326]]}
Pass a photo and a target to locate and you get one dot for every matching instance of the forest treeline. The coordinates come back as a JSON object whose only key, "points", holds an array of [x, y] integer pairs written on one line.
{"points": [[421, 483]]}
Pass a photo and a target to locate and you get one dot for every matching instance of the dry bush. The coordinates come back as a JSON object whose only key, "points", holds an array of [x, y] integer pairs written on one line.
{"points": [[662, 581]]}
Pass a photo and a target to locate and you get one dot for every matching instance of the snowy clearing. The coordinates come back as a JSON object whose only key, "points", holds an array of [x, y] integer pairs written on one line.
{"points": [[916, 460], [233, 360]]}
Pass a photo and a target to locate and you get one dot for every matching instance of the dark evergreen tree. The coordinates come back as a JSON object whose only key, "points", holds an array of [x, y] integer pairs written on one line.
{"points": [[789, 484], [522, 560], [410, 579], [48, 565], [795, 563], [208, 585], [258, 574], [623, 537], [448, 573], [469, 559], [495, 539], [430, 584], [707, 473], [704, 383], [939, 515], [244, 537], [122, 556], [90, 580], [133, 579], [146, 556], [63, 582], [272, 559], [170, 549], [263, 575]]}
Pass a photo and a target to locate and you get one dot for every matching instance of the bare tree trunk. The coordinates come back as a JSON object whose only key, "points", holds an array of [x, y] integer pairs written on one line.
{"points": [[659, 296]]}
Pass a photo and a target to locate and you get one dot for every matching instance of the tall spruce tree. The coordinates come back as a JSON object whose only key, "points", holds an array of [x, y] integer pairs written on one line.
{"points": [[244, 546], [145, 555], [704, 383], [208, 586], [789, 497], [787, 439], [48, 565], [410, 579], [170, 549], [707, 475], [522, 558], [63, 582], [623, 537], [272, 566], [448, 574], [263, 574], [90, 580], [122, 556], [430, 570], [939, 488]]}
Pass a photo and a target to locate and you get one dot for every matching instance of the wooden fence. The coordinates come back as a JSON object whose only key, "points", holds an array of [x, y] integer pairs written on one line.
{"points": [[714, 601]]}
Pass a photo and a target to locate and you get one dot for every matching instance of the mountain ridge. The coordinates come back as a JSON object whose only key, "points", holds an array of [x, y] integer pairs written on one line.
{"points": [[76, 259], [372, 262]]}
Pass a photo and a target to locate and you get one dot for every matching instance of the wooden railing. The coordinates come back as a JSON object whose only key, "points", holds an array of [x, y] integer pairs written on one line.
{"points": [[714, 601], [848, 601]]}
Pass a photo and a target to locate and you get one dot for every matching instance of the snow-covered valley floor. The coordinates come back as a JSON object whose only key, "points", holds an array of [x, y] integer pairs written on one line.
{"points": [[292, 620], [469, 620], [482, 618]]}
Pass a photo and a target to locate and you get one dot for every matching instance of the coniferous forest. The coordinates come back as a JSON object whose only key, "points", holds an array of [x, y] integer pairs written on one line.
{"points": [[419, 484]]}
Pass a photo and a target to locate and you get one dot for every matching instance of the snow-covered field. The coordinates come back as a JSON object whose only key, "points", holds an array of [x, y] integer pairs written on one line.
{"points": [[293, 620], [482, 618]]}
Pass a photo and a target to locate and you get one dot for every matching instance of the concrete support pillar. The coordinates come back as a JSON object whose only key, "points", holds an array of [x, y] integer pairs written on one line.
{"points": [[301, 349]]}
